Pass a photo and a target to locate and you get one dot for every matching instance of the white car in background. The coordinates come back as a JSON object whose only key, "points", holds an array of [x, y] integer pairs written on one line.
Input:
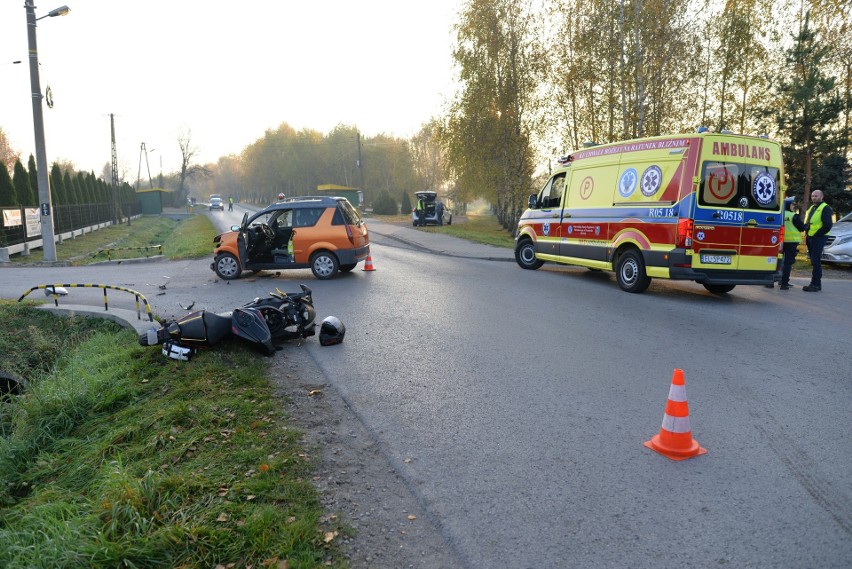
{"points": [[838, 246]]}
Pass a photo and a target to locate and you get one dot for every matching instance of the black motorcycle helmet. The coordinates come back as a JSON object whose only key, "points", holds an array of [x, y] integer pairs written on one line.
{"points": [[332, 331]]}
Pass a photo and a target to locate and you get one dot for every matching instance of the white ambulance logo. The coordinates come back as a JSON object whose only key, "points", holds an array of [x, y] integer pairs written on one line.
{"points": [[652, 178], [763, 188], [774, 239], [627, 182], [700, 236], [545, 229]]}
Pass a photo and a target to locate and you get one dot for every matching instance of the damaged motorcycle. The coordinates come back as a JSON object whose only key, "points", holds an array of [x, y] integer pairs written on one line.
{"points": [[263, 322]]}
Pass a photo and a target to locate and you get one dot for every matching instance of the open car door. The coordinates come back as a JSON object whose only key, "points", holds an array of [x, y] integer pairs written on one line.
{"points": [[242, 238]]}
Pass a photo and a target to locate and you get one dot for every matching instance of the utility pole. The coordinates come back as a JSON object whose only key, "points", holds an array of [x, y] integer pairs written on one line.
{"points": [[48, 244], [114, 171]]}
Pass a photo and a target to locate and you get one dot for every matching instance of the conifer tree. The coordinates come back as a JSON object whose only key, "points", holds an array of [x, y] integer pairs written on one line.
{"points": [[21, 181], [8, 197], [805, 106]]}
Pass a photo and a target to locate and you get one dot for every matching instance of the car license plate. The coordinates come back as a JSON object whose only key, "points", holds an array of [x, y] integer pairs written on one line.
{"points": [[716, 259]]}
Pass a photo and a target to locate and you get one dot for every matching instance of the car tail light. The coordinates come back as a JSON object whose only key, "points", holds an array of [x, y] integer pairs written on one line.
{"points": [[684, 233]]}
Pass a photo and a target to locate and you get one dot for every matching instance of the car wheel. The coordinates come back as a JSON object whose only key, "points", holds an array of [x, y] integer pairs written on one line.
{"points": [[718, 288], [347, 267], [525, 255], [227, 266], [324, 265], [630, 272]]}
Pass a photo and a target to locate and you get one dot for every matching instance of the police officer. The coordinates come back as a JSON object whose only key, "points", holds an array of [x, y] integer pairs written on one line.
{"points": [[818, 223], [793, 228]]}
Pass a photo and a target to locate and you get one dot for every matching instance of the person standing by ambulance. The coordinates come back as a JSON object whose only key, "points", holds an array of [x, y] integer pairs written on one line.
{"points": [[818, 222], [793, 228]]}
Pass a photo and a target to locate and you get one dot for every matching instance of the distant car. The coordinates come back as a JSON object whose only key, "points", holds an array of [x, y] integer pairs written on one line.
{"points": [[436, 212], [216, 202], [838, 246], [328, 236]]}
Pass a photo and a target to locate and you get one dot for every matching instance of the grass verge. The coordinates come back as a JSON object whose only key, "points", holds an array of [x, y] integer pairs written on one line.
{"points": [[190, 238], [114, 456], [479, 228]]}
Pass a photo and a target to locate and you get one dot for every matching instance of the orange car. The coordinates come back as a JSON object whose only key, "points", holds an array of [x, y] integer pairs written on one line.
{"points": [[324, 234]]}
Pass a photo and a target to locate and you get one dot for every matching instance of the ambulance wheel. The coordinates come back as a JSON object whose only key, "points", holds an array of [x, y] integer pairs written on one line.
{"points": [[227, 266], [525, 255], [719, 289], [630, 272]]}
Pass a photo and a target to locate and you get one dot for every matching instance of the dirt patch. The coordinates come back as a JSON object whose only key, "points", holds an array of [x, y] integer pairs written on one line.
{"points": [[357, 482]]}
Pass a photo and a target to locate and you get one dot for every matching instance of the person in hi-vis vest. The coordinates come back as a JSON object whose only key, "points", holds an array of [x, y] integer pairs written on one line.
{"points": [[818, 222], [793, 228]]}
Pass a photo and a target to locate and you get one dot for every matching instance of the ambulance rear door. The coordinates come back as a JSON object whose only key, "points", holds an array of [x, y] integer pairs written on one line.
{"points": [[737, 217]]}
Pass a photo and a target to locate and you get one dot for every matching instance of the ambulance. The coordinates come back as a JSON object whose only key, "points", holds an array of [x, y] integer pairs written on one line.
{"points": [[704, 207]]}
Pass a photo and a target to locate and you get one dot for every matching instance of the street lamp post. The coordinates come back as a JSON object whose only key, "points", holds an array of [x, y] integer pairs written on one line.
{"points": [[46, 215]]}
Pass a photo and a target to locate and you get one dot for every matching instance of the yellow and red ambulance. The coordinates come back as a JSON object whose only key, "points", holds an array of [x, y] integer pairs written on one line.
{"points": [[705, 207]]}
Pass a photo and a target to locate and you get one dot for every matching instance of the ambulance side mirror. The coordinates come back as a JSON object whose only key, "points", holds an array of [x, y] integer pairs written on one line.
{"points": [[533, 201]]}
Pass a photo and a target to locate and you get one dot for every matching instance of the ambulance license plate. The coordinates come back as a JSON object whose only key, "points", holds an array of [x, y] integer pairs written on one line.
{"points": [[716, 259]]}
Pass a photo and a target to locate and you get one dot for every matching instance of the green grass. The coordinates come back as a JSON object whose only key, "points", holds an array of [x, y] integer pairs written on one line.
{"points": [[477, 227], [190, 238], [115, 456]]}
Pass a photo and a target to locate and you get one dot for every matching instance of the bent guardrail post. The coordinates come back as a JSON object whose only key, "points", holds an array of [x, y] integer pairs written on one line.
{"points": [[53, 288]]}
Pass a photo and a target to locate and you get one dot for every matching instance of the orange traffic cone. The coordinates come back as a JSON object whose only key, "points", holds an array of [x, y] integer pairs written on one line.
{"points": [[368, 264], [675, 439]]}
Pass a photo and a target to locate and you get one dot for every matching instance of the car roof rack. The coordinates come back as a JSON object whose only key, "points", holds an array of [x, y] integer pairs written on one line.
{"points": [[321, 199]]}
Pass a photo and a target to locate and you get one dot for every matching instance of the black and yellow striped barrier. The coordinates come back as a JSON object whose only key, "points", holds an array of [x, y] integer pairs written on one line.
{"points": [[54, 287], [109, 252]]}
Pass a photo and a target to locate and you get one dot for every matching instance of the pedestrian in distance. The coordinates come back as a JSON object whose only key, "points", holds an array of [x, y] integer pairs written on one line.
{"points": [[421, 211], [230, 203], [793, 228], [818, 223]]}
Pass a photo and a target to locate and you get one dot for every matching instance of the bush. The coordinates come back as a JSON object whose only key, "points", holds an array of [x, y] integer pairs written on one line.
{"points": [[405, 203], [384, 204]]}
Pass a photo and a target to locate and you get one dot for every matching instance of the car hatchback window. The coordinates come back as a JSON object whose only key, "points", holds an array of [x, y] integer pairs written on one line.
{"points": [[347, 214]]}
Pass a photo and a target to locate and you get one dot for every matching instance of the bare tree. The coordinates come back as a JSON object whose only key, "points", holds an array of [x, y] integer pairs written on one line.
{"points": [[188, 170], [8, 155]]}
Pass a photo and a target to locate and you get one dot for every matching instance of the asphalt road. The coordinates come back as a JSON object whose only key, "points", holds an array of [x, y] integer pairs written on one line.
{"points": [[515, 403]]}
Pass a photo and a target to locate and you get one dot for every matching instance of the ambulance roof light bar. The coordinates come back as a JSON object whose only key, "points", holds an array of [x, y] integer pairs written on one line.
{"points": [[703, 129], [565, 159]]}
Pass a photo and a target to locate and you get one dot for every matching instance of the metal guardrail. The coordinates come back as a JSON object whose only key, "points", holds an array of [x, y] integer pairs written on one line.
{"points": [[158, 248], [56, 296]]}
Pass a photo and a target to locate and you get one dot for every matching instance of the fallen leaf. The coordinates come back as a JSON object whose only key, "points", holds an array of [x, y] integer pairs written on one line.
{"points": [[313, 392], [264, 467], [223, 517], [412, 517], [329, 536]]}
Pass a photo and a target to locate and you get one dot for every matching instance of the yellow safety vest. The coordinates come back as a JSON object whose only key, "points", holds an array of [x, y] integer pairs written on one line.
{"points": [[815, 219], [791, 233]]}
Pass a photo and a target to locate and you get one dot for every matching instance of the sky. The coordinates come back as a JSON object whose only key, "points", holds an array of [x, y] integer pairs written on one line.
{"points": [[225, 72]]}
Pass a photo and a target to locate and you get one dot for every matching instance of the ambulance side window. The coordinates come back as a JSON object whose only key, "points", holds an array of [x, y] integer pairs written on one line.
{"points": [[551, 195]]}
